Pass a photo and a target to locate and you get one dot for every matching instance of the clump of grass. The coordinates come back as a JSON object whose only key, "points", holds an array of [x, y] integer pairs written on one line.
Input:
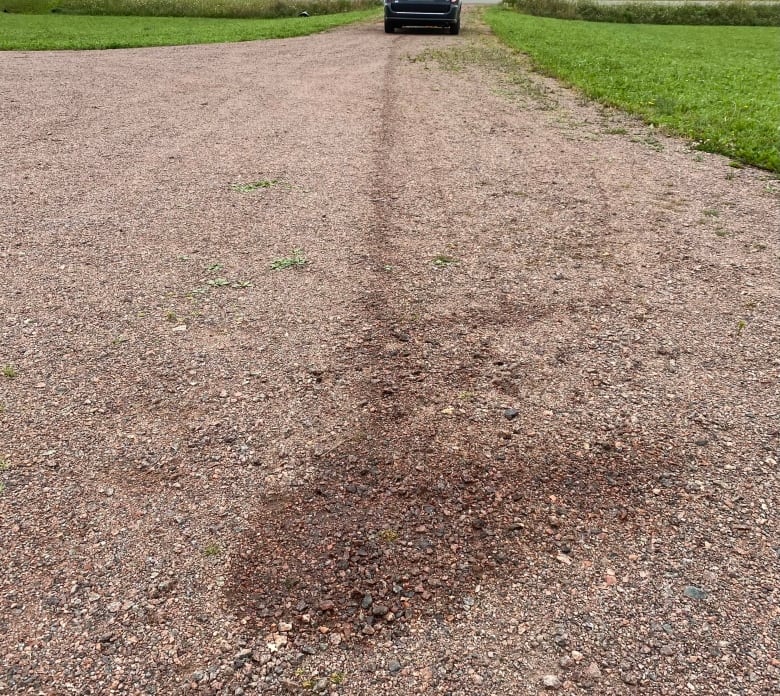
{"points": [[388, 535], [211, 550], [296, 259], [220, 281], [444, 260], [9, 371], [255, 185]]}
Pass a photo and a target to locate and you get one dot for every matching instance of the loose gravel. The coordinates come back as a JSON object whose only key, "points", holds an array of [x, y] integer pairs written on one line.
{"points": [[509, 425]]}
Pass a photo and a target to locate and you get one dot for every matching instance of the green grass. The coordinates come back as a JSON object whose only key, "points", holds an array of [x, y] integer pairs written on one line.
{"points": [[737, 12], [714, 85], [57, 32], [232, 9]]}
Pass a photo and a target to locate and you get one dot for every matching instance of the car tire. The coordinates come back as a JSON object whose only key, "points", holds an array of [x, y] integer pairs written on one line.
{"points": [[455, 27], [389, 27]]}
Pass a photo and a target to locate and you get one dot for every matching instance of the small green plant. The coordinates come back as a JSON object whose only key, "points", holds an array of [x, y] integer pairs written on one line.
{"points": [[720, 232], [219, 281], [443, 261], [171, 316], [4, 465], [9, 371], [212, 550], [388, 535], [255, 185], [337, 678], [296, 259], [735, 164], [616, 131], [710, 212], [741, 324], [2, 487]]}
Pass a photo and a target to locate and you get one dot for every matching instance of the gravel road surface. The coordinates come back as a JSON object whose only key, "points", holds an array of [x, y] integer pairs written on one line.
{"points": [[504, 420]]}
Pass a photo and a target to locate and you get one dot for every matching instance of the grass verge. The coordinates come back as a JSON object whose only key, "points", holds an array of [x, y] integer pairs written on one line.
{"points": [[714, 85], [228, 9], [65, 32], [719, 13]]}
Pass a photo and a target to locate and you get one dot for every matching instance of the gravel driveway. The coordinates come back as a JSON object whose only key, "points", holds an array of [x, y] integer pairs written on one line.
{"points": [[513, 428]]}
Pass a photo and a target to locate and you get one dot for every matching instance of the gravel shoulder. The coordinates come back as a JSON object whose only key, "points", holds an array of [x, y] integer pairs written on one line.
{"points": [[514, 427]]}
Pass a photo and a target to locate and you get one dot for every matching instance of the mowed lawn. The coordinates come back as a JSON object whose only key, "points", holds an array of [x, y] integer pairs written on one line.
{"points": [[56, 31], [717, 85]]}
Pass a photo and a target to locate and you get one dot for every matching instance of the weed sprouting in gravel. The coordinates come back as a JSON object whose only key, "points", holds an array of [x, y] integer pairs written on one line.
{"points": [[388, 535], [212, 550], [444, 261], [250, 186], [296, 259], [219, 281], [9, 371]]}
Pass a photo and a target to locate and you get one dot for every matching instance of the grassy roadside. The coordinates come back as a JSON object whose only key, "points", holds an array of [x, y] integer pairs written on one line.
{"points": [[722, 13], [714, 85], [229, 9], [65, 32]]}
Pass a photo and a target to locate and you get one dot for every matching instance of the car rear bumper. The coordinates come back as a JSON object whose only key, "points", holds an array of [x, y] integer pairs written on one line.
{"points": [[422, 14]]}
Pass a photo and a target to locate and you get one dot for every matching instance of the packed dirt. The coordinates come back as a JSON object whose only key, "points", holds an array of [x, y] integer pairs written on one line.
{"points": [[508, 422]]}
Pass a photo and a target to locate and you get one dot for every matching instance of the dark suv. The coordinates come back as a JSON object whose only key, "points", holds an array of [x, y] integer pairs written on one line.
{"points": [[422, 13]]}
